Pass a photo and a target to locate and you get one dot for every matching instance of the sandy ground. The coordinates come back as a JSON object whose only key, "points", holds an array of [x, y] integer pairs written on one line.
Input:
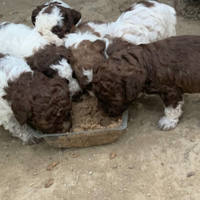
{"points": [[149, 165]]}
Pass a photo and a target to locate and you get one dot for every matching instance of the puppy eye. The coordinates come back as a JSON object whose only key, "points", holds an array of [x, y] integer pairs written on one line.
{"points": [[56, 29], [74, 75]]}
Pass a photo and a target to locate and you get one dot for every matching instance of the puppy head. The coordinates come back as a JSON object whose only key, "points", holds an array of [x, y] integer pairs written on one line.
{"points": [[70, 18], [85, 57], [116, 84], [35, 12], [55, 18], [41, 102]]}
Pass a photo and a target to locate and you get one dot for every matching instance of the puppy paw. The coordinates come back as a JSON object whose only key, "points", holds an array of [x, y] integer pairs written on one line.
{"points": [[33, 141], [59, 42], [167, 124]]}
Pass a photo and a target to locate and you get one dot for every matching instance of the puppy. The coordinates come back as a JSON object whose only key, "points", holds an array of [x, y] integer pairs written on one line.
{"points": [[142, 23], [168, 68], [87, 50], [54, 19], [30, 99]]}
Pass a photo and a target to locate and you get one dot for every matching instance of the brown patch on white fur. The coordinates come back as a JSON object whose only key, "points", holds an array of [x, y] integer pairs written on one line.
{"points": [[84, 27], [41, 102], [145, 3], [4, 24], [2, 55], [71, 18]]}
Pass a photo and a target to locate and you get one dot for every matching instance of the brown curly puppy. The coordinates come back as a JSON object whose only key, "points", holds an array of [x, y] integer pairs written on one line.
{"points": [[168, 68]]}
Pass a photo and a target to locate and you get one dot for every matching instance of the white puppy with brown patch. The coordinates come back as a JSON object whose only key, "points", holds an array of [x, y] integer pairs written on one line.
{"points": [[143, 22], [87, 50]]}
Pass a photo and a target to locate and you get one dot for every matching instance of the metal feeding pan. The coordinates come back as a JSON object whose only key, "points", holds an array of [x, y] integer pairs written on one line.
{"points": [[86, 138]]}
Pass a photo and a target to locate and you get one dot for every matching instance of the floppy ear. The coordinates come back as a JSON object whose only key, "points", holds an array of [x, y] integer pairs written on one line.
{"points": [[99, 45], [135, 84], [64, 52], [35, 13], [42, 60], [21, 110], [76, 16], [71, 18]]}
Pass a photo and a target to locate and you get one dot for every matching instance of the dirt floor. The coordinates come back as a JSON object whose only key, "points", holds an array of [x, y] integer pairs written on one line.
{"points": [[144, 164]]}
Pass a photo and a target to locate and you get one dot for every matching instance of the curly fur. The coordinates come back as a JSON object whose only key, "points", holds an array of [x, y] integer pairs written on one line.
{"points": [[168, 68], [30, 98]]}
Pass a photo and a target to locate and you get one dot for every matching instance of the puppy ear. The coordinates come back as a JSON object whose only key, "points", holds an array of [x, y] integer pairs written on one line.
{"points": [[65, 52], [76, 16], [21, 110], [99, 45], [33, 16], [35, 12], [135, 84], [71, 18]]}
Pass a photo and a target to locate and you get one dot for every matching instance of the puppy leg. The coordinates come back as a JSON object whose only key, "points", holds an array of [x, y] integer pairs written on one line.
{"points": [[172, 114], [23, 132], [51, 38]]}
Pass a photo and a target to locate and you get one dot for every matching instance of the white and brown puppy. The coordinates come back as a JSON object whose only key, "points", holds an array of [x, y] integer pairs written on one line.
{"points": [[87, 50], [143, 22], [54, 19], [30, 99], [168, 68]]}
